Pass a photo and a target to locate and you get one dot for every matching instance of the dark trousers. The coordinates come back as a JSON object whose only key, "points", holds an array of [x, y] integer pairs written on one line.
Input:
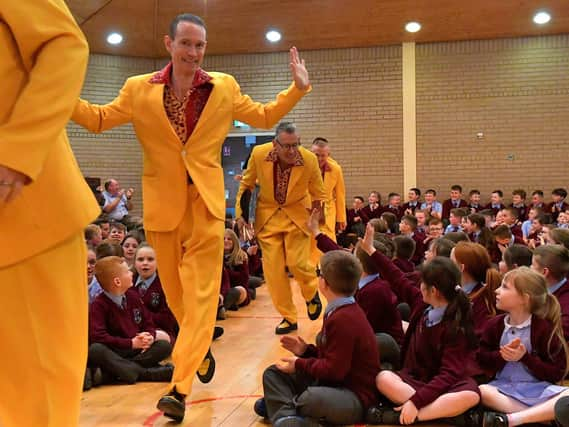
{"points": [[562, 411], [230, 300], [299, 394], [127, 365]]}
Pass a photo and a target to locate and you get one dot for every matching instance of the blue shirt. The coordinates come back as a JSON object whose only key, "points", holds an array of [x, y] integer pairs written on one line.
{"points": [[467, 288], [368, 279], [337, 303], [117, 299], [434, 315], [526, 225], [435, 207], [453, 228], [555, 288], [120, 210], [94, 289], [142, 285]]}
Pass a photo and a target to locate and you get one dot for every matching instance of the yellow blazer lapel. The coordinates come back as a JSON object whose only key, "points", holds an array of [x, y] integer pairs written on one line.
{"points": [[268, 175], [156, 107]]}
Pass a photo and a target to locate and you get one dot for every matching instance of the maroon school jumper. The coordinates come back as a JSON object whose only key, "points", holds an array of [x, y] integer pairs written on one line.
{"points": [[546, 363], [447, 206], [562, 295], [114, 326], [155, 301], [376, 299], [238, 276], [347, 355], [435, 361]]}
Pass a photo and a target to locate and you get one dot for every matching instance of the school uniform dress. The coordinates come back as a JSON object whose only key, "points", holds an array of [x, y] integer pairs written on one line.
{"points": [[43, 61], [530, 380], [183, 189], [282, 212], [334, 380], [436, 362]]}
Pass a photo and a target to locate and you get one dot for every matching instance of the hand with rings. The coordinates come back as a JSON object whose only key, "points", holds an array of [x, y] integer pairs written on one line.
{"points": [[11, 184]]}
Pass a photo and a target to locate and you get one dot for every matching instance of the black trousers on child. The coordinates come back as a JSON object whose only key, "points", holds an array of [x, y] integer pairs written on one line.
{"points": [[299, 394], [127, 365]]}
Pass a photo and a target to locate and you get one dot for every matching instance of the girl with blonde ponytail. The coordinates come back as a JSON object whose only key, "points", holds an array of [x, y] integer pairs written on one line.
{"points": [[526, 352]]}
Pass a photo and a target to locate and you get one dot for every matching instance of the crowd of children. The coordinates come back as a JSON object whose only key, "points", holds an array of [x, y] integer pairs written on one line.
{"points": [[468, 304]]}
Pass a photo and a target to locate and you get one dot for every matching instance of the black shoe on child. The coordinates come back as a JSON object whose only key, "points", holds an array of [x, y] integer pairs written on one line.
{"points": [[159, 374]]}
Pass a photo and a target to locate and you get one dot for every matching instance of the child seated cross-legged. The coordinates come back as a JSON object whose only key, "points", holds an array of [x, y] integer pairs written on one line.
{"points": [[438, 355], [123, 340], [526, 351], [331, 382]]}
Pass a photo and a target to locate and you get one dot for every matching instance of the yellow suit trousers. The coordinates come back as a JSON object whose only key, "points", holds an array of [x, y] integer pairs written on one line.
{"points": [[43, 318], [190, 259], [284, 244]]}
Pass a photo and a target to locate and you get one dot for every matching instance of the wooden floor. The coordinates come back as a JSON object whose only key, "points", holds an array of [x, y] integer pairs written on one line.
{"points": [[248, 346]]}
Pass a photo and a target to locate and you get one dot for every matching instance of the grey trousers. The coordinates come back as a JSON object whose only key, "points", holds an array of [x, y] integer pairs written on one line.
{"points": [[562, 411], [299, 394]]}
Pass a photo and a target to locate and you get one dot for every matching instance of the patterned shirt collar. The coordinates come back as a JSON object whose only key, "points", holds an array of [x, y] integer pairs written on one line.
{"points": [[164, 76], [273, 157]]}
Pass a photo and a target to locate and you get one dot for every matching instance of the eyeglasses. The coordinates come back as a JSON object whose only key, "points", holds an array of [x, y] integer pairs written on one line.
{"points": [[288, 146]]}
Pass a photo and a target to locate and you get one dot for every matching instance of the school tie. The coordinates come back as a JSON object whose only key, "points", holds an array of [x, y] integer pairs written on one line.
{"points": [[123, 303]]}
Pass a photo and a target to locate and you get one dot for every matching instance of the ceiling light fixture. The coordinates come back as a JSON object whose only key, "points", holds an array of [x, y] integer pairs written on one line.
{"points": [[541, 18], [273, 36], [412, 27], [114, 38]]}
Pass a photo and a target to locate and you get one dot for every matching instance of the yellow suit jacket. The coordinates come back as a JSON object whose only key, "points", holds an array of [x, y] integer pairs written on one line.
{"points": [[305, 184], [166, 159], [335, 205], [44, 58]]}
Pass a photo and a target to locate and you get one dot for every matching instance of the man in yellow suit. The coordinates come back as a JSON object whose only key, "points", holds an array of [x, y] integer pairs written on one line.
{"points": [[181, 116], [44, 206], [335, 204], [289, 179]]}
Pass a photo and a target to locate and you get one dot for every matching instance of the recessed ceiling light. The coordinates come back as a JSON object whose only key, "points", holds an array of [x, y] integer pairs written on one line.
{"points": [[541, 18], [412, 27], [114, 38], [273, 36]]}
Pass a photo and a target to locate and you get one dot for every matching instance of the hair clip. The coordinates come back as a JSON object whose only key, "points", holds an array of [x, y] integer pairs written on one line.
{"points": [[457, 288]]}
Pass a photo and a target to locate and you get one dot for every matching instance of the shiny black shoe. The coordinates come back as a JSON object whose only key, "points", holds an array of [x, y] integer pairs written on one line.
{"points": [[471, 418], [380, 414], [207, 368], [495, 419], [295, 421], [260, 407], [217, 332], [173, 405], [158, 374], [285, 327], [314, 307], [87, 380]]}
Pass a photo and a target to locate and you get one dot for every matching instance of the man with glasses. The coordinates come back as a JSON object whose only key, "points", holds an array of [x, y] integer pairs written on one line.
{"points": [[290, 187]]}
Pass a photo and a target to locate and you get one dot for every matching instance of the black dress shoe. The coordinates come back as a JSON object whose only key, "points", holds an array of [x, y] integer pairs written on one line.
{"points": [[381, 414], [471, 418], [285, 327], [220, 313], [260, 407], [217, 332], [495, 419], [87, 380], [159, 374], [314, 307], [173, 405], [207, 368], [98, 376]]}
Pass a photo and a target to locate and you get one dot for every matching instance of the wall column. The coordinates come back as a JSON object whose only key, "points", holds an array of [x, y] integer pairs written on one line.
{"points": [[409, 118]]}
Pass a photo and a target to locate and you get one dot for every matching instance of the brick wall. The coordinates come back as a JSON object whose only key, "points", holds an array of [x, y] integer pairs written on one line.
{"points": [[515, 91]]}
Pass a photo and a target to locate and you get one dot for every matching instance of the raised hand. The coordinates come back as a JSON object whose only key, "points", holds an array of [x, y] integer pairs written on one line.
{"points": [[298, 70], [367, 242], [295, 344]]}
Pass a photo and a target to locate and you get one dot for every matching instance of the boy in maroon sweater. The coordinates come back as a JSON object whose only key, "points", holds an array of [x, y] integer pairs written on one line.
{"points": [[456, 201], [332, 382], [123, 340]]}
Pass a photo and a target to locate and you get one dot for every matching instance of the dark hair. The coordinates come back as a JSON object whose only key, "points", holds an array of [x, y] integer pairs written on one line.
{"points": [[342, 271], [502, 232], [442, 247], [118, 225], [368, 264], [387, 242], [360, 198], [390, 218], [560, 236], [321, 142], [485, 238], [456, 187], [537, 192], [416, 191], [404, 247], [555, 258], [133, 234], [520, 192], [184, 17], [499, 193], [390, 195], [91, 231], [561, 192], [456, 236], [108, 248], [459, 212], [431, 191], [487, 212], [379, 225], [517, 256], [410, 220], [444, 275], [512, 211], [474, 192]]}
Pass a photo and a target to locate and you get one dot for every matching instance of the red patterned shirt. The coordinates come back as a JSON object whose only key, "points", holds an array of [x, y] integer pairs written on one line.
{"points": [[281, 176], [184, 114], [324, 169]]}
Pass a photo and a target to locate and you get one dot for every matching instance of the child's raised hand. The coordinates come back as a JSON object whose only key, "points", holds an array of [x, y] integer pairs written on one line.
{"points": [[367, 242], [295, 344], [286, 364]]}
